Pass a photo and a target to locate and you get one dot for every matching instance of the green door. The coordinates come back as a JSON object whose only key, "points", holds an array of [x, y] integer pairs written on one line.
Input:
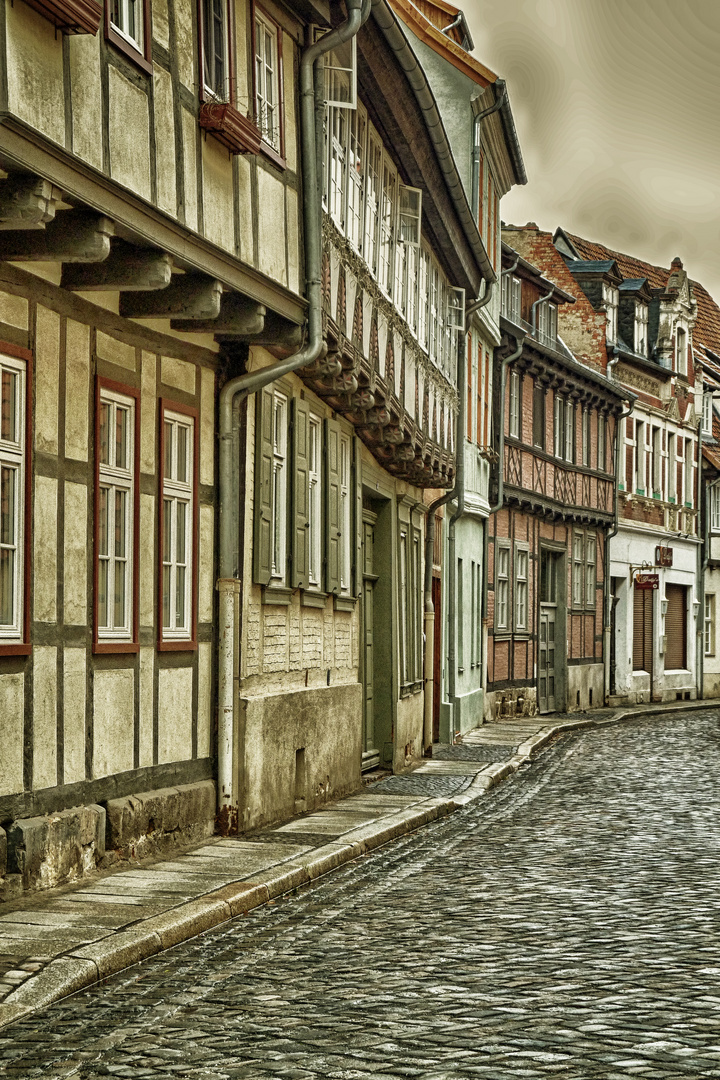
{"points": [[371, 754]]}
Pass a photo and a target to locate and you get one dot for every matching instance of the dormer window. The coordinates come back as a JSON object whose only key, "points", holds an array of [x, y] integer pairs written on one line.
{"points": [[610, 300], [547, 323], [511, 297], [681, 351], [641, 329]]}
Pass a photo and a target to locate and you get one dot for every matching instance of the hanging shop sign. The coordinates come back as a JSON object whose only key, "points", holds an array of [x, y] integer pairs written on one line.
{"points": [[647, 581], [663, 556]]}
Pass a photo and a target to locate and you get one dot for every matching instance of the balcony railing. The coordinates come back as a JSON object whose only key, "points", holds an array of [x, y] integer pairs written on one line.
{"points": [[548, 340]]}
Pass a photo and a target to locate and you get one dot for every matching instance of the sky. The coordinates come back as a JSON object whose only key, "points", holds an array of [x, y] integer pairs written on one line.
{"points": [[617, 107]]}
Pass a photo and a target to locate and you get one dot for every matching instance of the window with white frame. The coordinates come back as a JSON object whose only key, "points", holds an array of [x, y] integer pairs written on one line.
{"points": [[216, 49], [610, 300], [707, 413], [177, 525], [388, 206], [115, 514], [373, 188], [672, 467], [338, 190], [681, 350], [502, 587], [357, 121], [127, 18], [511, 297], [12, 499], [585, 425], [641, 329], [547, 323], [315, 501], [709, 625], [564, 429], [346, 514], [409, 578], [578, 569], [279, 485], [460, 616], [514, 427], [267, 80], [590, 570], [656, 463], [715, 508], [688, 480], [601, 441], [521, 588], [639, 481]]}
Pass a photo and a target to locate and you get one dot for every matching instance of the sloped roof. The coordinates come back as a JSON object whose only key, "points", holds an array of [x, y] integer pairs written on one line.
{"points": [[706, 331]]}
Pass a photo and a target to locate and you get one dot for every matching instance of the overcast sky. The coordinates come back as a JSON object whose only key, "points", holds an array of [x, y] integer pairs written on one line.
{"points": [[617, 106]]}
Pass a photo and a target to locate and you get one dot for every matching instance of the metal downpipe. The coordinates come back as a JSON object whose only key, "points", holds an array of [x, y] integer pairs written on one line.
{"points": [[239, 388], [608, 537]]}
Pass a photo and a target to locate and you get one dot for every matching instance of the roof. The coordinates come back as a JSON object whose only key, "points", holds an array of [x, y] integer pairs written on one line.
{"points": [[428, 18], [591, 266], [631, 284], [706, 331]]}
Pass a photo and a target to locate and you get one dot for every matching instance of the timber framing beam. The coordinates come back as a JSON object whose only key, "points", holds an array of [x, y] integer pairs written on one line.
{"points": [[190, 296], [73, 236], [238, 316], [126, 268]]}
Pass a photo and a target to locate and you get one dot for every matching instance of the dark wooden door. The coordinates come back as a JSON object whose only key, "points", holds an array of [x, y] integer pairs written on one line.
{"points": [[675, 627], [642, 630]]}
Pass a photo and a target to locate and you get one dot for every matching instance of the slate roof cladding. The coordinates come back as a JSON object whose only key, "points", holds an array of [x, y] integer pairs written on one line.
{"points": [[590, 266], [706, 331], [631, 284]]}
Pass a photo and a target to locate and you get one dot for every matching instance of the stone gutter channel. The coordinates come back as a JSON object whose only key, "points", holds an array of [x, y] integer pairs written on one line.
{"points": [[62, 940]]}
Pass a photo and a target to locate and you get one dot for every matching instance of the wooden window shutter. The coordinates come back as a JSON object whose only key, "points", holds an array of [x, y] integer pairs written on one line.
{"points": [[358, 523], [642, 630], [333, 516], [300, 502], [262, 531], [675, 627]]}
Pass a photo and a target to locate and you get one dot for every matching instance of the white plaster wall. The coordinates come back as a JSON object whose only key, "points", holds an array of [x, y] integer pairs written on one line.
{"points": [[12, 710], [74, 699], [113, 721], [174, 714]]}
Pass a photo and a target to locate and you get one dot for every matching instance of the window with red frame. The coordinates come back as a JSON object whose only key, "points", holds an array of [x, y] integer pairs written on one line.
{"points": [[127, 26]]}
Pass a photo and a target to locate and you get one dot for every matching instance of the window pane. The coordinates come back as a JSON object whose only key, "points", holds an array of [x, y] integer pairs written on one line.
{"points": [[7, 587], [8, 424], [168, 469], [105, 421], [167, 530], [120, 574], [166, 596], [182, 454], [180, 598], [8, 483], [103, 571], [181, 531], [121, 437], [120, 523], [103, 523]]}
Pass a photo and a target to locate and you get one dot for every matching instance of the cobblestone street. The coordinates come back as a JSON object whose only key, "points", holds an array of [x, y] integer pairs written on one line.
{"points": [[565, 925]]}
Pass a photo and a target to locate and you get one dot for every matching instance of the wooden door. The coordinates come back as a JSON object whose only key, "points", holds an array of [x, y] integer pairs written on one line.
{"points": [[675, 628], [546, 660], [371, 754], [643, 630]]}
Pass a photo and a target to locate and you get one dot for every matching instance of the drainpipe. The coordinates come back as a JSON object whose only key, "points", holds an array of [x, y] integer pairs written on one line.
{"points": [[457, 492], [500, 89], [236, 390], [453, 24], [703, 556], [620, 420]]}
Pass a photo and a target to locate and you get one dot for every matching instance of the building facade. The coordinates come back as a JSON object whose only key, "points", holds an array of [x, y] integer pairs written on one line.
{"points": [[553, 494]]}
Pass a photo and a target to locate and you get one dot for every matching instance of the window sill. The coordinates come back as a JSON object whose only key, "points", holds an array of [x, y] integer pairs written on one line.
{"points": [[71, 16], [177, 646], [16, 648], [100, 647], [230, 127], [277, 594], [128, 49], [313, 598], [344, 603], [409, 689]]}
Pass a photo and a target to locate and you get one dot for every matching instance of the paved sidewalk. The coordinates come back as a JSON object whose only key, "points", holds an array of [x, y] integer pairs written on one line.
{"points": [[55, 942]]}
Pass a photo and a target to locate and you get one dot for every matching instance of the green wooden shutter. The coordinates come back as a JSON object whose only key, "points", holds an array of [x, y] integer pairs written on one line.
{"points": [[264, 457], [300, 503], [333, 517], [358, 522]]}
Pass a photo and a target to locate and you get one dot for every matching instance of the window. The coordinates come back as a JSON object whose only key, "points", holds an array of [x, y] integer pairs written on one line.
{"points": [[559, 426], [707, 414], [585, 424], [639, 480], [577, 570], [315, 502], [548, 577], [127, 26], [268, 49], [388, 206], [656, 464], [709, 625], [355, 170], [215, 49], [715, 508], [502, 587], [178, 525], [14, 493], [688, 485], [672, 468], [569, 431], [610, 300], [547, 323], [641, 328], [346, 499], [514, 428], [460, 616], [590, 571], [410, 577], [564, 429], [602, 442], [521, 588], [539, 416], [511, 297], [116, 516], [681, 351]]}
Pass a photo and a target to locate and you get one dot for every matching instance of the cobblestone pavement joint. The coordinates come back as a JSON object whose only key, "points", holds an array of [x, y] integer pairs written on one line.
{"points": [[58, 942]]}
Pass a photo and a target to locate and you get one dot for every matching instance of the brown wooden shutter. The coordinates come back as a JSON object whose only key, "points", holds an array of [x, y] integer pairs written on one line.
{"points": [[642, 630], [675, 627]]}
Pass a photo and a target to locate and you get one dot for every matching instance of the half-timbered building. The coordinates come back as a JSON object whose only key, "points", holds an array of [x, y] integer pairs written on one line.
{"points": [[655, 559], [554, 492]]}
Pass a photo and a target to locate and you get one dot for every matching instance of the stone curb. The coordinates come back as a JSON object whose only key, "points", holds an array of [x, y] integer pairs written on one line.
{"points": [[85, 965]]}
